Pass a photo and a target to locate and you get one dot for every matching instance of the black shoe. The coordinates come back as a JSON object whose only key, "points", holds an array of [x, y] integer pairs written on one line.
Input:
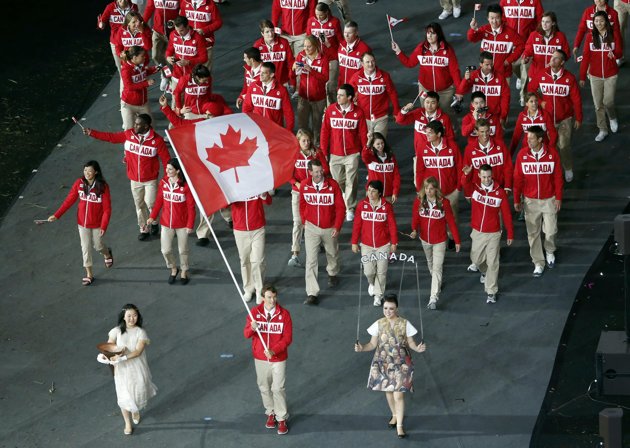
{"points": [[370, 2], [184, 280], [203, 242], [171, 278], [230, 224], [155, 229], [333, 281], [311, 300], [451, 244], [143, 236]]}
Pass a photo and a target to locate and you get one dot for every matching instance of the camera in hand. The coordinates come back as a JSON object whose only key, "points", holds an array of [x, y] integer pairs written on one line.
{"points": [[471, 68], [457, 105], [322, 37], [483, 110]]}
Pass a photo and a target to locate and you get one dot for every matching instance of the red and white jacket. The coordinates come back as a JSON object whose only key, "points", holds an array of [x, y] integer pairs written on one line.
{"points": [[420, 120], [541, 48], [486, 204], [312, 85], [374, 226], [438, 71], [293, 14], [343, 133], [279, 52], [219, 107], [115, 16], [143, 153], [323, 208], [470, 132], [249, 215], [125, 39], [523, 16], [496, 155], [444, 163], [349, 57], [525, 121], [331, 28], [162, 11], [275, 104], [598, 61], [192, 48], [203, 17], [195, 94], [176, 203], [430, 222], [384, 170], [277, 332], [93, 211], [586, 23], [562, 96], [505, 45], [300, 169], [250, 74], [374, 93], [538, 177], [494, 86], [135, 83]]}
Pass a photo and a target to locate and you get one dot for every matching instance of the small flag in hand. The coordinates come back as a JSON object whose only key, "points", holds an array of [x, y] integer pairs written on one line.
{"points": [[477, 6], [393, 21]]}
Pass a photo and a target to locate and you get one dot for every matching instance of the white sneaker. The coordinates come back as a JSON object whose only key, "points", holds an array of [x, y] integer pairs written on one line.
{"points": [[444, 14], [492, 298], [248, 296], [551, 260], [482, 278], [371, 290], [568, 176], [614, 125], [518, 84], [432, 303], [472, 268], [521, 101], [295, 262], [295, 95], [164, 84], [601, 136], [378, 300], [538, 271], [349, 216], [457, 12]]}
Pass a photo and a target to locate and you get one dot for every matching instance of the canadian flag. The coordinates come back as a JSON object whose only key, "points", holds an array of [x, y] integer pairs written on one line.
{"points": [[393, 21], [477, 6], [233, 157]]}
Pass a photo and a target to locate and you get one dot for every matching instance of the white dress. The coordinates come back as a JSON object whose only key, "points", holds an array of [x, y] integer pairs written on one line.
{"points": [[132, 377]]}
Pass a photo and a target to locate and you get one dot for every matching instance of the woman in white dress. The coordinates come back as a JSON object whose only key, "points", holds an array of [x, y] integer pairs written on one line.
{"points": [[132, 376]]}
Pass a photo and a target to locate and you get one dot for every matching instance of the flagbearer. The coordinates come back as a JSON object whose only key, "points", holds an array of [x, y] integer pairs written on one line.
{"points": [[268, 98]]}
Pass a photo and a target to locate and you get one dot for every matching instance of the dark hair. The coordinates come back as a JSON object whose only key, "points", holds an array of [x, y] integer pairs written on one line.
{"points": [[368, 53], [437, 29], [485, 167], [322, 7], [351, 24], [180, 21], [484, 55], [528, 95], [121, 317], [201, 71], [478, 94], [253, 53], [387, 148], [266, 23], [348, 89], [391, 297], [538, 131], [99, 180], [312, 163], [482, 122], [609, 38], [174, 162], [270, 65], [134, 51], [564, 55], [269, 288], [145, 118], [434, 95], [437, 127], [554, 28], [377, 185], [496, 8]]}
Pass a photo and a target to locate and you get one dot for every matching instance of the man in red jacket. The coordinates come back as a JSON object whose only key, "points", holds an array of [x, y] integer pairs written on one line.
{"points": [[271, 323], [538, 177], [276, 49], [479, 110], [144, 150], [268, 98], [186, 48], [321, 209], [163, 12], [204, 17], [291, 16], [253, 64], [351, 48], [489, 203]]}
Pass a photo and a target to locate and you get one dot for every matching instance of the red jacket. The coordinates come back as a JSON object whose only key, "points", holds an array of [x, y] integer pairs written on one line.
{"points": [[177, 205], [300, 169], [93, 212], [142, 155], [496, 88], [586, 23], [192, 49], [375, 93], [135, 83], [250, 75], [384, 170], [249, 214], [540, 50], [431, 222], [324, 208], [164, 10], [597, 61], [537, 179], [277, 333], [505, 46], [195, 95], [419, 119], [343, 133], [205, 20], [438, 71], [497, 156], [349, 57], [125, 39], [279, 52], [275, 104], [486, 206], [220, 108], [115, 17], [524, 122], [470, 132], [374, 226], [445, 165], [293, 14], [562, 97], [313, 84], [331, 28], [523, 16]]}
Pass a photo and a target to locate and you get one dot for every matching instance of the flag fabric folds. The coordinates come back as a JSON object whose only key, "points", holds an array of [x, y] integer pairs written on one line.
{"points": [[393, 21]]}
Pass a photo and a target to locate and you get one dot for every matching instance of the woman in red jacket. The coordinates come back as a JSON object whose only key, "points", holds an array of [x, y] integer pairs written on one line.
{"points": [[542, 42], [532, 115], [431, 213], [133, 33], [602, 48], [134, 99], [178, 218], [586, 22], [382, 165], [93, 214]]}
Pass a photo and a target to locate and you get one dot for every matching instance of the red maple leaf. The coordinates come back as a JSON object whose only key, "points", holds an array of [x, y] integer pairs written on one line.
{"points": [[233, 153]]}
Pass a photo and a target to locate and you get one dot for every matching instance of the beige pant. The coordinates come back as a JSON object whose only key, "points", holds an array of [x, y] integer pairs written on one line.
{"points": [[158, 52], [251, 251], [270, 377], [446, 97], [344, 169], [343, 6], [91, 237], [309, 116], [313, 237], [378, 125], [435, 254], [520, 70], [166, 244], [623, 9], [484, 253], [295, 42], [331, 85], [565, 129], [209, 62], [541, 215], [448, 5], [117, 62], [376, 271], [203, 231], [143, 198], [298, 227], [603, 91], [453, 197], [129, 113]]}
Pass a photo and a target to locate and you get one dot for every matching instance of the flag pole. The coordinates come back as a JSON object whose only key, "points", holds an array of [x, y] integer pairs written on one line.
{"points": [[360, 288], [389, 25], [419, 303]]}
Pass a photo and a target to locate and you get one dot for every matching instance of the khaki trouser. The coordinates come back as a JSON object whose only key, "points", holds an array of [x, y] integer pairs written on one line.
{"points": [[129, 113], [298, 227], [376, 271], [446, 96], [603, 91], [448, 5], [117, 62], [453, 198], [378, 125], [309, 116], [435, 254], [158, 52], [565, 129], [313, 237], [484, 253], [541, 215], [91, 237], [203, 231], [143, 198], [270, 377], [343, 6], [209, 61], [251, 251], [623, 9], [166, 244], [344, 169], [520, 70], [331, 85], [295, 42]]}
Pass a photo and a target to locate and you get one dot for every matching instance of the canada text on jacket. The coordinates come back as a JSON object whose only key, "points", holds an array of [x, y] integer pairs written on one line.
{"points": [[496, 47], [538, 167], [491, 201], [439, 162], [319, 198]]}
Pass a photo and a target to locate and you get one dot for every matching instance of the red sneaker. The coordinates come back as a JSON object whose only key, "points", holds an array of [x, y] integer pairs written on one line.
{"points": [[271, 422], [282, 427]]}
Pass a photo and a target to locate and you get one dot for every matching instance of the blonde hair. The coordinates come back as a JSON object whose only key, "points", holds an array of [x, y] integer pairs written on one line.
{"points": [[439, 196]]}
